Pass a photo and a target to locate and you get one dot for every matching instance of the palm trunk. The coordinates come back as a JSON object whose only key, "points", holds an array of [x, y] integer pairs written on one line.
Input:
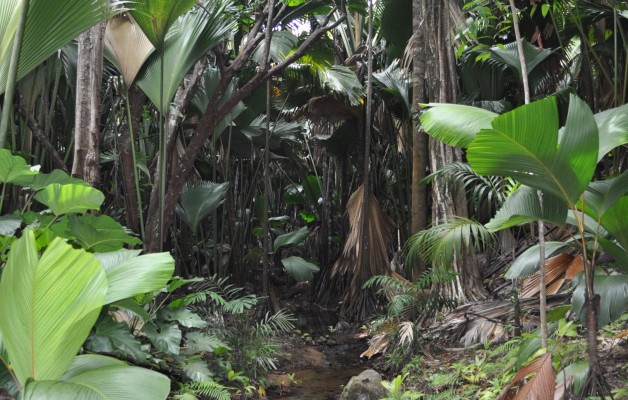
{"points": [[448, 201], [136, 99], [87, 122], [419, 137]]}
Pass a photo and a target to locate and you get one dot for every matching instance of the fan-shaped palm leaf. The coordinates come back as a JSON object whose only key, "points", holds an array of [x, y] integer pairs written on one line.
{"points": [[190, 38], [524, 144], [396, 81], [281, 44], [342, 81], [613, 129], [602, 195], [529, 261], [94, 377], [50, 25], [200, 199], [510, 55], [348, 264], [454, 124], [156, 17], [523, 206], [48, 306], [613, 291], [127, 46]]}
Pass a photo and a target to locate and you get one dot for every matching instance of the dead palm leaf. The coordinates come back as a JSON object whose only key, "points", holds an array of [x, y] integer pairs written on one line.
{"points": [[540, 387], [379, 238], [127, 45], [557, 269]]}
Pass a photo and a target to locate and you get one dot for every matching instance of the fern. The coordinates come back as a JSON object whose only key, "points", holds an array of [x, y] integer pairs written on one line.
{"points": [[444, 380], [449, 394], [206, 389], [239, 304], [398, 303]]}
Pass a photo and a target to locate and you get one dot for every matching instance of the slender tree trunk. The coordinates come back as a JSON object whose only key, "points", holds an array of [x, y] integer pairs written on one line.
{"points": [[419, 137], [136, 99], [87, 123]]}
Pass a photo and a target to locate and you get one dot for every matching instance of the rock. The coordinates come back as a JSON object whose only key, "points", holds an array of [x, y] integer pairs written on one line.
{"points": [[366, 386], [314, 357]]}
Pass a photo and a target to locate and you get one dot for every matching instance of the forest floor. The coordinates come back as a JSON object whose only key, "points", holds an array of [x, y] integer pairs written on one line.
{"points": [[323, 355]]}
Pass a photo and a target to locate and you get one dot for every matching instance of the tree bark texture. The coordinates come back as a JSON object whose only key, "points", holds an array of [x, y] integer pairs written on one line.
{"points": [[419, 137], [449, 200], [87, 122]]}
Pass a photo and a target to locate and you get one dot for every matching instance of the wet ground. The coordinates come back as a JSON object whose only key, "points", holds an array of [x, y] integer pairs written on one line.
{"points": [[333, 358]]}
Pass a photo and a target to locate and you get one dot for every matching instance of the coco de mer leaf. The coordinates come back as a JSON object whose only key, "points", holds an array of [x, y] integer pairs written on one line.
{"points": [[525, 144], [48, 305]]}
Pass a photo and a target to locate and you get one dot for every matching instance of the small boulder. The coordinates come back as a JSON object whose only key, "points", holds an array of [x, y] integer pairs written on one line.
{"points": [[366, 386]]}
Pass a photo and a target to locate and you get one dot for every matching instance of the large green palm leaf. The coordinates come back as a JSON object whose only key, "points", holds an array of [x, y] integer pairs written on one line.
{"points": [[156, 17], [454, 124], [200, 199], [191, 37], [50, 25], [523, 206], [94, 377], [613, 129], [48, 305], [509, 54], [525, 145]]}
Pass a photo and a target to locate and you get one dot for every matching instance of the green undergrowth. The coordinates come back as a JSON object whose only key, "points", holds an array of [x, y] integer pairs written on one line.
{"points": [[484, 373]]}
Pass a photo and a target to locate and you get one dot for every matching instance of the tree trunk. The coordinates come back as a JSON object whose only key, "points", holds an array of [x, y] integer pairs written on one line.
{"points": [[136, 99], [448, 200], [87, 123], [419, 137]]}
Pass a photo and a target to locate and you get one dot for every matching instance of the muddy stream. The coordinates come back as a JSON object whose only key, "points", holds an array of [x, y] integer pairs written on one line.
{"points": [[330, 358]]}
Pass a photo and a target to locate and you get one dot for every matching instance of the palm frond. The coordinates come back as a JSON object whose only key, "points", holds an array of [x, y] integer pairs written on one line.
{"points": [[509, 54], [190, 38], [198, 200], [379, 237], [480, 189], [440, 244], [50, 25], [126, 46]]}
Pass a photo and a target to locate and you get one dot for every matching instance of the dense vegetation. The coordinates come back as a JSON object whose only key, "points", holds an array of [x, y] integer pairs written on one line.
{"points": [[169, 169]]}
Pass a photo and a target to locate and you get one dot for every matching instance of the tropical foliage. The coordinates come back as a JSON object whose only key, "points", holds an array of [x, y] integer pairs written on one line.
{"points": [[283, 146]]}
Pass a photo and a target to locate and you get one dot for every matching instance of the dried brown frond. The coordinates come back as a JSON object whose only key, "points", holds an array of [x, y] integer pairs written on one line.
{"points": [[406, 333], [379, 342], [348, 264], [540, 387], [555, 273]]}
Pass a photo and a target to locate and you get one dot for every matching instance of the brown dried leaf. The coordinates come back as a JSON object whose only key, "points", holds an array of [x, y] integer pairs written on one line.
{"points": [[555, 286], [574, 268], [555, 267], [349, 263], [540, 387]]}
